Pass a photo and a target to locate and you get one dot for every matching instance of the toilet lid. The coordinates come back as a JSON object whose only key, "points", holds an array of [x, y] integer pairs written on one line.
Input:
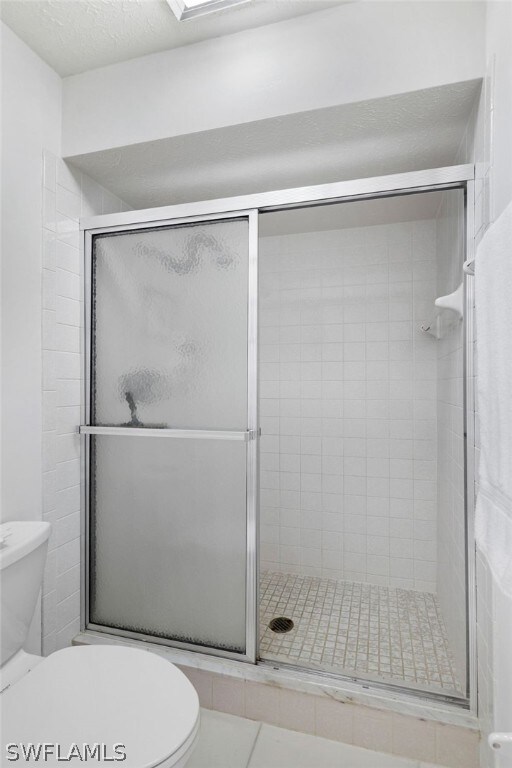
{"points": [[102, 695]]}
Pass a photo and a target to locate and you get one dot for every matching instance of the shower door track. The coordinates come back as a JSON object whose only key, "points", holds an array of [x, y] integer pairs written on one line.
{"points": [[414, 182]]}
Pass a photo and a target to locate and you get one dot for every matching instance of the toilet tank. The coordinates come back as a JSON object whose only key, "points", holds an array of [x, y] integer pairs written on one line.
{"points": [[23, 548]]}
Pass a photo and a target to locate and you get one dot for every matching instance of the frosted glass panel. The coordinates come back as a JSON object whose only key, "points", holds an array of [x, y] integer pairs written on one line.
{"points": [[168, 538], [169, 341]]}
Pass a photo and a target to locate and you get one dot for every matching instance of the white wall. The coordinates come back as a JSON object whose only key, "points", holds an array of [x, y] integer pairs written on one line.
{"points": [[297, 65], [493, 155], [498, 37], [348, 404], [31, 118], [31, 112], [41, 290]]}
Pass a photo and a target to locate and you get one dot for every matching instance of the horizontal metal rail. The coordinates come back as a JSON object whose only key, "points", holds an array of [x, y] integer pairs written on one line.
{"points": [[284, 198], [191, 434]]}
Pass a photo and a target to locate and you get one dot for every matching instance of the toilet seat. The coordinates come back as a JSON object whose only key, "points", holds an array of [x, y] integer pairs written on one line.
{"points": [[107, 695]]}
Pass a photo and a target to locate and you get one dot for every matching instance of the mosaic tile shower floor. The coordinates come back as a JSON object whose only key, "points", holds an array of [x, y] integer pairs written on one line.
{"points": [[357, 629]]}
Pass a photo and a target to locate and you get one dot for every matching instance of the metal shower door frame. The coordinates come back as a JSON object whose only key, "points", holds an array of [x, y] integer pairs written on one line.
{"points": [[249, 436], [414, 182]]}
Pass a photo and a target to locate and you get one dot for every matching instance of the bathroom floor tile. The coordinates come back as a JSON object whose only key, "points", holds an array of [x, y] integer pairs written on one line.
{"points": [[279, 748], [225, 741], [356, 628]]}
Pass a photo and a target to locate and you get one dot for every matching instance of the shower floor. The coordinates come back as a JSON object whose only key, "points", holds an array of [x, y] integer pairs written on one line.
{"points": [[357, 629]]}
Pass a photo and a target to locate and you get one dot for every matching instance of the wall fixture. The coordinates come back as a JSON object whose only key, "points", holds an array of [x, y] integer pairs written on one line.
{"points": [[185, 10], [453, 302], [448, 310]]}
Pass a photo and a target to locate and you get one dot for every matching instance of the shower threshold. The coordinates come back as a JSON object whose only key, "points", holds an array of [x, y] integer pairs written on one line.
{"points": [[385, 696], [365, 631]]}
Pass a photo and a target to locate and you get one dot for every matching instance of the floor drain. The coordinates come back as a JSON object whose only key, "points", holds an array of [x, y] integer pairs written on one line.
{"points": [[281, 624]]}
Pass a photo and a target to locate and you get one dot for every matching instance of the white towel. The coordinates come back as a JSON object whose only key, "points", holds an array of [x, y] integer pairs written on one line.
{"points": [[493, 300]]}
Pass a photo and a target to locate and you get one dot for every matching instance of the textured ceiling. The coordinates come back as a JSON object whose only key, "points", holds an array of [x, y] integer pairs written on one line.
{"points": [[73, 36], [400, 133]]}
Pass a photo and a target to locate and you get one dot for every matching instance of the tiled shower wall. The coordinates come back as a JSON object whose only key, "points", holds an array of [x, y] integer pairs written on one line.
{"points": [[479, 147], [67, 195], [348, 404], [451, 537]]}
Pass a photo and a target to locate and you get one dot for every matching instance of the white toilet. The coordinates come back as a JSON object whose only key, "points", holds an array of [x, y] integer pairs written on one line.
{"points": [[129, 701]]}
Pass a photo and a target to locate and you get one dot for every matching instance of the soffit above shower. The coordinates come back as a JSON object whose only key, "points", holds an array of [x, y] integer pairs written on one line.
{"points": [[74, 37], [396, 134]]}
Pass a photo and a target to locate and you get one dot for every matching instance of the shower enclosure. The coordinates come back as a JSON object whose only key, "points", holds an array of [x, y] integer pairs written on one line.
{"points": [[337, 423]]}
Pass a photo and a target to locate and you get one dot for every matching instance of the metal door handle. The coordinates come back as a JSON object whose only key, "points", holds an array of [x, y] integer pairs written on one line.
{"points": [[196, 434]]}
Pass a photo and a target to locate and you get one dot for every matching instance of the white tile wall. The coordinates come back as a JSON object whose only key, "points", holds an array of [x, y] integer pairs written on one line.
{"points": [[66, 196], [348, 404], [451, 567], [478, 147]]}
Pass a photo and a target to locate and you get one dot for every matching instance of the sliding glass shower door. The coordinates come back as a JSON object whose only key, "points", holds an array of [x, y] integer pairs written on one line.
{"points": [[172, 430]]}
